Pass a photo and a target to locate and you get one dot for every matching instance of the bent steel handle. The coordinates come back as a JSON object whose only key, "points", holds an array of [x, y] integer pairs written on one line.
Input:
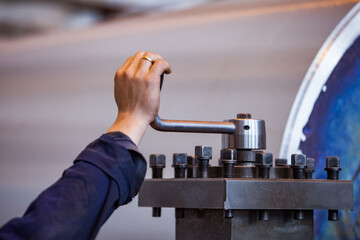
{"points": [[192, 126]]}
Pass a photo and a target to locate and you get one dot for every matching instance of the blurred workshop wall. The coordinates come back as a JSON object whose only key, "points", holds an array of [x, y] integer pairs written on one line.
{"points": [[19, 18], [227, 57]]}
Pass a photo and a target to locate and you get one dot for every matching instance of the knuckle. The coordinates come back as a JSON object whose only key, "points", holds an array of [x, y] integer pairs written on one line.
{"points": [[148, 53], [126, 74], [118, 72], [140, 53], [162, 63]]}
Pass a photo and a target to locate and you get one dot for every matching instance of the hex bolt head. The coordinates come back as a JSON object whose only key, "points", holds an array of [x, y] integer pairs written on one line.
{"points": [[264, 163], [203, 152], [310, 165], [228, 154], [281, 162], [333, 167], [310, 168], [157, 160], [243, 116], [179, 159], [332, 162], [264, 159], [228, 160], [298, 160]]}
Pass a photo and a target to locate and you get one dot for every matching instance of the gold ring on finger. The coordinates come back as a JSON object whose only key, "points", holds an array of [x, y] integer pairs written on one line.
{"points": [[148, 59]]}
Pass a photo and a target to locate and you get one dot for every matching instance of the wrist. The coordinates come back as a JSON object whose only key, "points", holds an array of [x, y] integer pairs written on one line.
{"points": [[130, 125]]}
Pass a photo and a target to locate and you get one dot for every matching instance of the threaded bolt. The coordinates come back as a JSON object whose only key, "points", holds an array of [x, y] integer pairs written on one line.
{"points": [[264, 163], [203, 155], [179, 164], [228, 161], [333, 169], [310, 168], [298, 163], [157, 164]]}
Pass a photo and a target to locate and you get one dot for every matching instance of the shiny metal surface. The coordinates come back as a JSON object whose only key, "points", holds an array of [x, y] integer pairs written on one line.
{"points": [[245, 172], [244, 133], [192, 126], [250, 134], [246, 157]]}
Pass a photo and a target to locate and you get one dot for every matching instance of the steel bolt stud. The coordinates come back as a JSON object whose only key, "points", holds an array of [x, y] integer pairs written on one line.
{"points": [[179, 164], [264, 163], [298, 163], [191, 167], [157, 164], [203, 155], [228, 160], [333, 169], [243, 116], [310, 168]]}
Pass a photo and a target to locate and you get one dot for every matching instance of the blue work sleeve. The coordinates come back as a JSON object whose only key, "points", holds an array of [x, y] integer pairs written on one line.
{"points": [[107, 173]]}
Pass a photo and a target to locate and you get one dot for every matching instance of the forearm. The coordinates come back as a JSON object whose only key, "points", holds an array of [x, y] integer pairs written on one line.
{"points": [[103, 177], [133, 127]]}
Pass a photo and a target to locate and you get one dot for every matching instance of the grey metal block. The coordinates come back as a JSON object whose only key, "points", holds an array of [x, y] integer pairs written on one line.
{"points": [[244, 193]]}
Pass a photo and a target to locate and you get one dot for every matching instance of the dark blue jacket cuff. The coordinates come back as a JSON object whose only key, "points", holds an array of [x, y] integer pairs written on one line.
{"points": [[117, 156]]}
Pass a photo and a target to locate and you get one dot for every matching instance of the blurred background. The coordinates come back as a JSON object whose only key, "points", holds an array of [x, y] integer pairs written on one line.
{"points": [[58, 59], [23, 18]]}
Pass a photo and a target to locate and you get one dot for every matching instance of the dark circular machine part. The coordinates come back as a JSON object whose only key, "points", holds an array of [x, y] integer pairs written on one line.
{"points": [[325, 121]]}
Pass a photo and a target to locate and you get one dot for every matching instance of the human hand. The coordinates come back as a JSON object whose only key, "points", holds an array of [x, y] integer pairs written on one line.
{"points": [[137, 93]]}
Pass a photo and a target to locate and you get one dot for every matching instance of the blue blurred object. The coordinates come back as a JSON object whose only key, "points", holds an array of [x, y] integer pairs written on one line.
{"points": [[325, 120], [333, 129]]}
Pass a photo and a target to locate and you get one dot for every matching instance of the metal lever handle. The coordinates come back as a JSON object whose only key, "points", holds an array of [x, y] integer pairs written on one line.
{"points": [[191, 126]]}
